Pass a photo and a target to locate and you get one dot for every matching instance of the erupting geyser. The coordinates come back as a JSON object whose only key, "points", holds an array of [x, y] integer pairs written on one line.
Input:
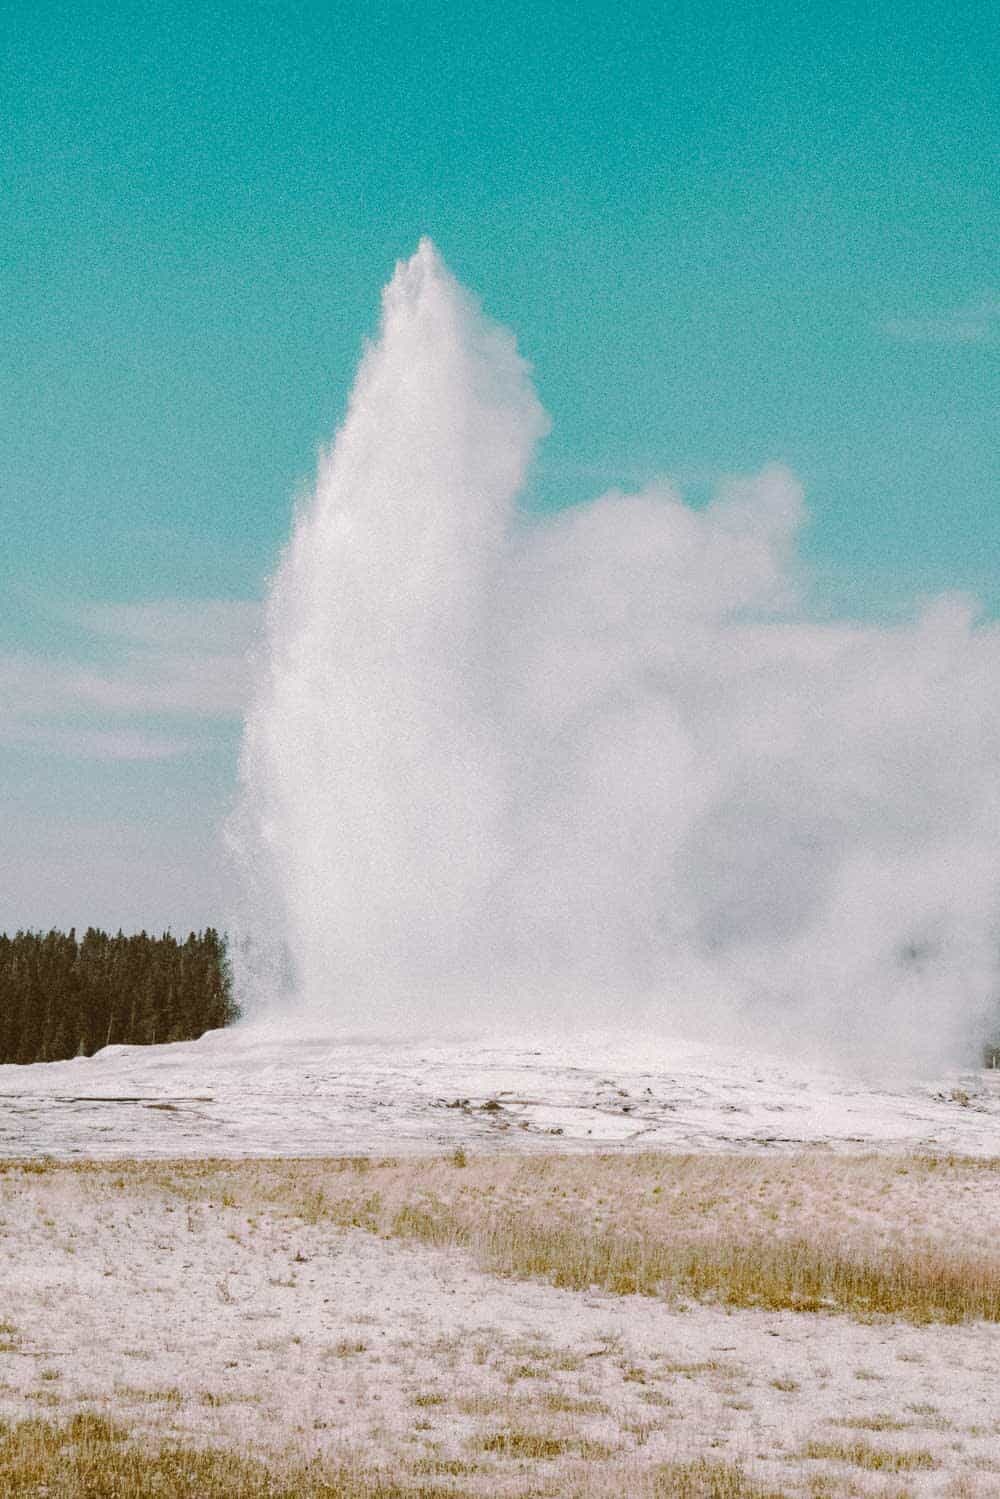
{"points": [[600, 765]]}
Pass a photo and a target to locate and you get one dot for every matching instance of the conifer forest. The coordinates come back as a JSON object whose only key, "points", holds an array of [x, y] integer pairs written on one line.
{"points": [[63, 996]]}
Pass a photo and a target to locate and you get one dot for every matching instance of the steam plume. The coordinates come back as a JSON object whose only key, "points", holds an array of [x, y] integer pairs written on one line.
{"points": [[602, 765]]}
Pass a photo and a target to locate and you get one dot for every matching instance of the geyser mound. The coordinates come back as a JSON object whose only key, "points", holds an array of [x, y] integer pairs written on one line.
{"points": [[602, 765]]}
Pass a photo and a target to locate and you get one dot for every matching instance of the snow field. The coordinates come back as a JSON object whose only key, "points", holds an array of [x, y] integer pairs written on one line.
{"points": [[267, 1091], [225, 1303]]}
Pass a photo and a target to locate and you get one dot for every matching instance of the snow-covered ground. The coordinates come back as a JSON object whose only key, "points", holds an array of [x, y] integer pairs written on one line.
{"points": [[184, 1309], [188, 1310], [256, 1091]]}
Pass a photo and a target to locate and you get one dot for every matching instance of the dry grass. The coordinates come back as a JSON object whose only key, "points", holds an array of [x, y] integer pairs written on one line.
{"points": [[661, 1225], [94, 1457], [534, 1445], [869, 1236], [875, 1459], [882, 1421], [705, 1479], [793, 1274]]}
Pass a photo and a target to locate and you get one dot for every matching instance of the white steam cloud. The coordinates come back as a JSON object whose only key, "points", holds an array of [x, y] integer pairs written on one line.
{"points": [[601, 766]]}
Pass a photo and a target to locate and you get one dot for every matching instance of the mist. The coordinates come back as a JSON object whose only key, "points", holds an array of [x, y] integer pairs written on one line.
{"points": [[600, 767]]}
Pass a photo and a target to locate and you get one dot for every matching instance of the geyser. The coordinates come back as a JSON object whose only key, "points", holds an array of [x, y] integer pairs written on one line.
{"points": [[603, 765]]}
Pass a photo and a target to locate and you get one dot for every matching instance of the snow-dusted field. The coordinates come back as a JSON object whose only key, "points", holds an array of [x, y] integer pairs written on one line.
{"points": [[256, 1091], [190, 1306]]}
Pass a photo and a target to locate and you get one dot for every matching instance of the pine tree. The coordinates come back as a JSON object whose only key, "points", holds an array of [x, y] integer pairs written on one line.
{"points": [[60, 997]]}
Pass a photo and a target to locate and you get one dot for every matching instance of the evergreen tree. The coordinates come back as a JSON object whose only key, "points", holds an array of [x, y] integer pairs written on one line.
{"points": [[62, 997]]}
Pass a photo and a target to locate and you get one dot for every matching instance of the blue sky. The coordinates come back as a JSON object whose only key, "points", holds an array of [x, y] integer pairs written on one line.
{"points": [[724, 235]]}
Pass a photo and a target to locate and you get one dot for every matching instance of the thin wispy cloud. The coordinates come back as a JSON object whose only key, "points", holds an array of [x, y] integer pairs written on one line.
{"points": [[172, 659], [977, 322], [220, 625], [74, 742]]}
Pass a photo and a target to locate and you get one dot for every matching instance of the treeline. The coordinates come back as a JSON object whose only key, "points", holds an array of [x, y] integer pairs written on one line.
{"points": [[62, 997]]}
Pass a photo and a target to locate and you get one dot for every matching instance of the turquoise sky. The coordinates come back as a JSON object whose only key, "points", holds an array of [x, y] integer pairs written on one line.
{"points": [[724, 235]]}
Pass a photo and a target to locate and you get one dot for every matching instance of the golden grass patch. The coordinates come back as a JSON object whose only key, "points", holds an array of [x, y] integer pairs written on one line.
{"points": [[705, 1479], [872, 1236], [100, 1458], [93, 1456], [878, 1422], [861, 1454]]}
